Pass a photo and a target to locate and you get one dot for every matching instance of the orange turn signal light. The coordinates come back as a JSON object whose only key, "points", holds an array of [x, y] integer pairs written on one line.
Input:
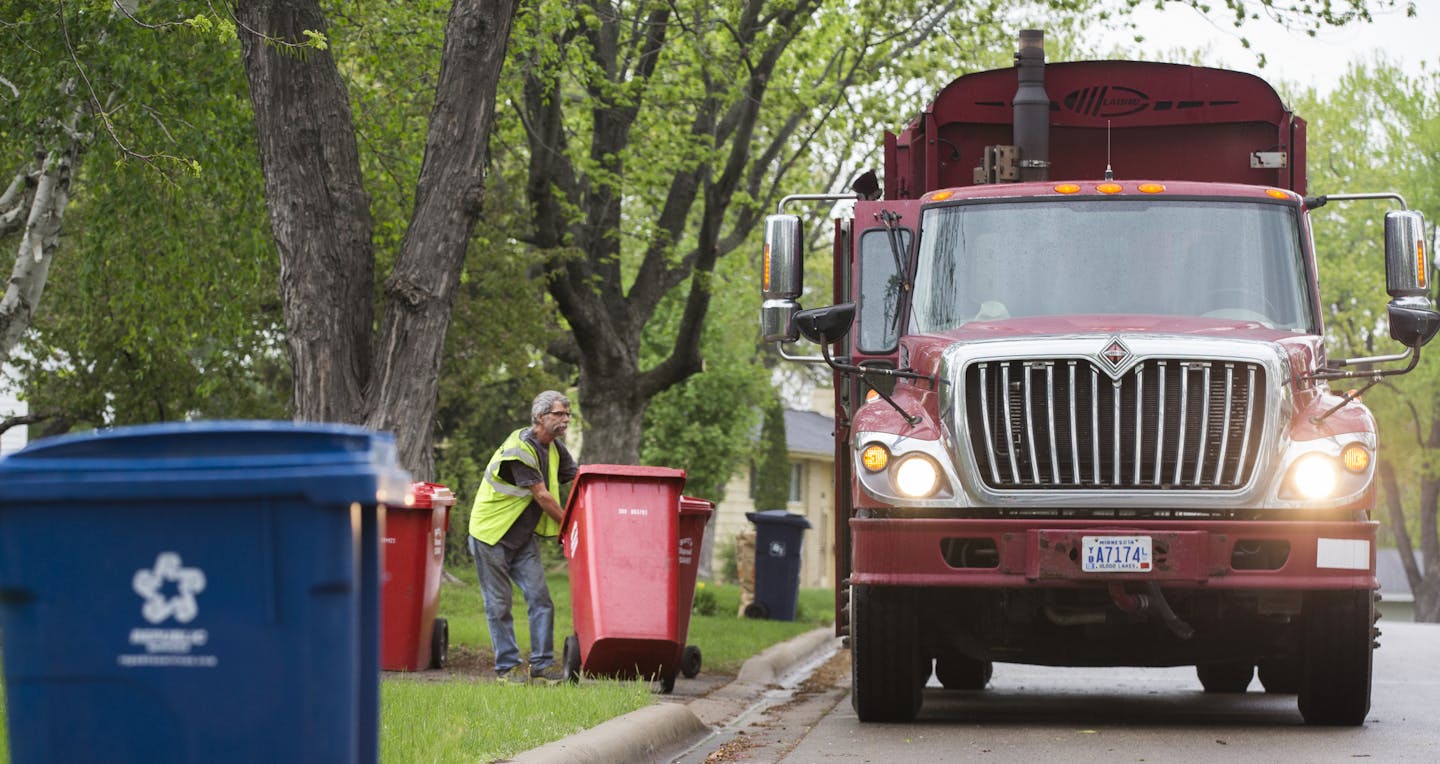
{"points": [[1355, 457], [875, 457]]}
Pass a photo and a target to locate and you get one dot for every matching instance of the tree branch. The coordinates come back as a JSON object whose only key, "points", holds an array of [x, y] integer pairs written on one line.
{"points": [[20, 420]]}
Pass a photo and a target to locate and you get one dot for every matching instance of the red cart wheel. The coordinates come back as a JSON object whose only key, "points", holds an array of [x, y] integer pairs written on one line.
{"points": [[571, 658], [439, 644], [690, 661]]}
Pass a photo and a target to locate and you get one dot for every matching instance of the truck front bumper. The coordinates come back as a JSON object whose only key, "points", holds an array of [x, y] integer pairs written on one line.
{"points": [[1029, 553]]}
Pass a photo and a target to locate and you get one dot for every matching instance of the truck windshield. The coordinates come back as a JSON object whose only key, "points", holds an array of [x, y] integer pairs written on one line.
{"points": [[1237, 260]]}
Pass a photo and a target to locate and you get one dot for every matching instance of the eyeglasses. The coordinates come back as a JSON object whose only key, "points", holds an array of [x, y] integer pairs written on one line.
{"points": [[564, 414]]}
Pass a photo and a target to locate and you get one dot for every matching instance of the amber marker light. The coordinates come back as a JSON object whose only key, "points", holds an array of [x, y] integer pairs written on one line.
{"points": [[941, 196], [875, 457], [1420, 263], [1152, 188], [1355, 457], [1275, 193], [765, 272], [871, 395], [1109, 188], [1067, 188]]}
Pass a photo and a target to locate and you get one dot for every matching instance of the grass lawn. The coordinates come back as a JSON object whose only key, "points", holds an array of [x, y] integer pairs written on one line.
{"points": [[465, 717]]}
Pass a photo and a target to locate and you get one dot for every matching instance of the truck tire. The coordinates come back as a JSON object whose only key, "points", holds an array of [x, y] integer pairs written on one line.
{"points": [[885, 677], [961, 672], [1339, 633], [1225, 676], [1280, 676]]}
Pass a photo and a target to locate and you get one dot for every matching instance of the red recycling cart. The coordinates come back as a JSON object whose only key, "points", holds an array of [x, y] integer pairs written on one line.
{"points": [[633, 544], [411, 637]]}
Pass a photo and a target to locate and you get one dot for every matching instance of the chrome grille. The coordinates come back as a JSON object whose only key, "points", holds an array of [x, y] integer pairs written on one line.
{"points": [[1066, 424]]}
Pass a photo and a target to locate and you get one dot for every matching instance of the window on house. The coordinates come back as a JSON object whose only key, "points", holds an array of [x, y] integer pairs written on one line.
{"points": [[797, 477]]}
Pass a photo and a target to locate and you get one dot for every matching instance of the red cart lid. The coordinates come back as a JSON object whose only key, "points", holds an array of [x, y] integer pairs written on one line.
{"points": [[430, 496], [591, 472]]}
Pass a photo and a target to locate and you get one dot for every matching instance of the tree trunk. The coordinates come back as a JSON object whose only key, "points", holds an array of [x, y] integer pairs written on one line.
{"points": [[613, 412], [44, 212], [319, 211], [420, 293], [320, 214]]}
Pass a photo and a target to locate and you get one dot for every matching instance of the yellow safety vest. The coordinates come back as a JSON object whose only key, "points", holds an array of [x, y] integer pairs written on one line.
{"points": [[498, 503]]}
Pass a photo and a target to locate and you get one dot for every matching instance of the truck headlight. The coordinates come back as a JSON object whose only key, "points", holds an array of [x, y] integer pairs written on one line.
{"points": [[1322, 475], [1315, 476], [917, 477]]}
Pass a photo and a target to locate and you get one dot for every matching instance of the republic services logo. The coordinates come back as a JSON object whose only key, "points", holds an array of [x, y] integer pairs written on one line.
{"points": [[169, 575]]}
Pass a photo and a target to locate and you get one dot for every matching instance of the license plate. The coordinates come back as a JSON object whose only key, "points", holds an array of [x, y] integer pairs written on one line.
{"points": [[1116, 554]]}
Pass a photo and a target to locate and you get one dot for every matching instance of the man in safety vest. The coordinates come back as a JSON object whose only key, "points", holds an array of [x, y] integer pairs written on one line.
{"points": [[517, 504]]}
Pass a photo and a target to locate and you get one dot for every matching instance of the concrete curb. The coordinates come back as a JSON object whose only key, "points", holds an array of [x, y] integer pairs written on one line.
{"points": [[777, 660], [661, 731], [639, 736]]}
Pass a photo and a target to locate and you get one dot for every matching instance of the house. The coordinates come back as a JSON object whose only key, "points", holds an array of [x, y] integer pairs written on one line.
{"points": [[811, 446], [14, 438]]}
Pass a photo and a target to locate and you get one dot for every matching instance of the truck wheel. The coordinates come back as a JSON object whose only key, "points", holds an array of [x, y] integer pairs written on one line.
{"points": [[961, 672], [690, 661], [439, 643], [884, 662], [1225, 676], [1339, 631], [1280, 676], [570, 659]]}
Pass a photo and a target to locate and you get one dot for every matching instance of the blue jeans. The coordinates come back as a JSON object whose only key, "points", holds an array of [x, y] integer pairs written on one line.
{"points": [[497, 567]]}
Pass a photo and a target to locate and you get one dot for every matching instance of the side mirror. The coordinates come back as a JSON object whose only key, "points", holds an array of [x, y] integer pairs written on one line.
{"points": [[826, 325], [1406, 272], [1412, 322], [781, 278]]}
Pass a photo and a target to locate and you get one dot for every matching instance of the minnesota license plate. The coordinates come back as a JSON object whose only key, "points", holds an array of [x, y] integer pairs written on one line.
{"points": [[1116, 554]]}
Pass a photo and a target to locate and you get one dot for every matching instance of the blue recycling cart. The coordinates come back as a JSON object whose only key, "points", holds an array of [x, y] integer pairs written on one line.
{"points": [[195, 592]]}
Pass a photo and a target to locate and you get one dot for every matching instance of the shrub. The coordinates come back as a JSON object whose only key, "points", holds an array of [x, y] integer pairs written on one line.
{"points": [[704, 600]]}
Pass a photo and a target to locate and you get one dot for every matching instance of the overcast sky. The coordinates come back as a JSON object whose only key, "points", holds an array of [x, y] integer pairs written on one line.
{"points": [[1292, 56]]}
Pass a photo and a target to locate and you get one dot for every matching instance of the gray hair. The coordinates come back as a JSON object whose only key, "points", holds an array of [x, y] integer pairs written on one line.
{"points": [[544, 401]]}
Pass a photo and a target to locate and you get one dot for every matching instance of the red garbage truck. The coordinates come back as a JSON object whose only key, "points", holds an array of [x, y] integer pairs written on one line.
{"points": [[1085, 413]]}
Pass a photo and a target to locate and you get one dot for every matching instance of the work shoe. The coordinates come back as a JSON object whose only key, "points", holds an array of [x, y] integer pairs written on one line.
{"points": [[512, 676], [551, 674]]}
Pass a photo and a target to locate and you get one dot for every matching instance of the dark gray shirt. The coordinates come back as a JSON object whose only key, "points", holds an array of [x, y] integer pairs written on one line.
{"points": [[514, 472]]}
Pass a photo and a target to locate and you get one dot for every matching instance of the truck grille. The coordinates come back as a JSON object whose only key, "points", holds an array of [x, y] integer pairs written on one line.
{"points": [[1066, 424]]}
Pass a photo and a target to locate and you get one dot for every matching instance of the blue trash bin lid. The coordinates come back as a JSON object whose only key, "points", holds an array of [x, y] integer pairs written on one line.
{"points": [[778, 517], [209, 460]]}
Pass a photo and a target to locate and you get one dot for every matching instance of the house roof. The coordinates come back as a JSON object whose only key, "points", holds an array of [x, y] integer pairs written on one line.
{"points": [[807, 432]]}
